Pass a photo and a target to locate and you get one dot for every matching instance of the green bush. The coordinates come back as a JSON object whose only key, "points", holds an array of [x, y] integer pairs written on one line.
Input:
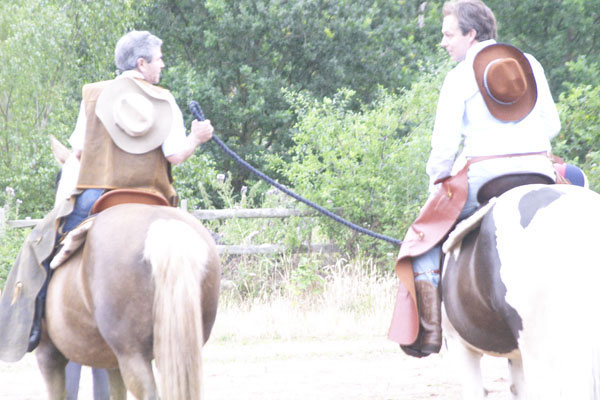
{"points": [[11, 239], [579, 139], [370, 164]]}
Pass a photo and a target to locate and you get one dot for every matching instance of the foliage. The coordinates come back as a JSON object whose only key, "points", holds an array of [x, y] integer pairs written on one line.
{"points": [[579, 139], [29, 85], [234, 57], [555, 32], [47, 59], [291, 232], [195, 179], [12, 239], [10, 244], [368, 163]]}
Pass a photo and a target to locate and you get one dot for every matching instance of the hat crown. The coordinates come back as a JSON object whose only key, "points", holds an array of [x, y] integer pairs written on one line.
{"points": [[133, 113], [137, 115], [505, 81]]}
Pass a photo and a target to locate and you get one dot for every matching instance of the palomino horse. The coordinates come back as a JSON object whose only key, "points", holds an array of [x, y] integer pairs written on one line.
{"points": [[144, 286], [524, 285]]}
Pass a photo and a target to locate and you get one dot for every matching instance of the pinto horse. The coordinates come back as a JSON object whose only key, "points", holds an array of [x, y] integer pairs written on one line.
{"points": [[144, 286], [523, 284]]}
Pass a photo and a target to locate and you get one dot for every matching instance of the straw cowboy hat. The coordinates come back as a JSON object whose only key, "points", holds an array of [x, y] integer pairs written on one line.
{"points": [[506, 81], [137, 117]]}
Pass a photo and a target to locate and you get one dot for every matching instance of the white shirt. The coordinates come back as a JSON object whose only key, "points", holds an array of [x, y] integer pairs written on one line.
{"points": [[173, 144], [463, 116]]}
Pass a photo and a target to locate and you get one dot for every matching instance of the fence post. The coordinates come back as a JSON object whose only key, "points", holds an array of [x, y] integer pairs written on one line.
{"points": [[3, 217], [183, 204]]}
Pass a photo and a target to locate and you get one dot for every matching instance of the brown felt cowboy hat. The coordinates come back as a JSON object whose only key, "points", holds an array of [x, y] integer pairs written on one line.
{"points": [[137, 117], [506, 81]]}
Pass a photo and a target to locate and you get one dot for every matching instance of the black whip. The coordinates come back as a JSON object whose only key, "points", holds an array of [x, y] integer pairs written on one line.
{"points": [[197, 111]]}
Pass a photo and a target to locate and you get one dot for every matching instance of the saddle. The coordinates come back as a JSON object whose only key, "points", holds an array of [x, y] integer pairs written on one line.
{"points": [[496, 186], [122, 196], [429, 230], [76, 237]]}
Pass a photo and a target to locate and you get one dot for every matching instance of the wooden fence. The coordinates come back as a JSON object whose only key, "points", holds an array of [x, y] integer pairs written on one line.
{"points": [[206, 215]]}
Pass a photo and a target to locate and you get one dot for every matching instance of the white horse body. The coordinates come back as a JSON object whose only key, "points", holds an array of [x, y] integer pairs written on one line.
{"points": [[551, 269]]}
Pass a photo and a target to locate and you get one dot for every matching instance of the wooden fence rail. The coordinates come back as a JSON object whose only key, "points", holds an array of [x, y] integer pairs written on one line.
{"points": [[213, 215]]}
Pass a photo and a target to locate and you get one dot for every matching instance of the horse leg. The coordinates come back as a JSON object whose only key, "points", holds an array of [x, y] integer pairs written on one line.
{"points": [[138, 376], [117, 386], [467, 362], [100, 382], [52, 364], [72, 377], [517, 379]]}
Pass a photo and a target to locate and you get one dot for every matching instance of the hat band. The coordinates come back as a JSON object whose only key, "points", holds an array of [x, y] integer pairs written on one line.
{"points": [[487, 89]]}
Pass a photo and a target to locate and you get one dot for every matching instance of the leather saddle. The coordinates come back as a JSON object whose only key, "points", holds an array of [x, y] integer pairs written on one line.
{"points": [[122, 196], [500, 184]]}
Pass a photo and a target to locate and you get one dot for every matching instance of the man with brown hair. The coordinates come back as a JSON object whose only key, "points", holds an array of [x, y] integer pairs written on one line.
{"points": [[495, 116]]}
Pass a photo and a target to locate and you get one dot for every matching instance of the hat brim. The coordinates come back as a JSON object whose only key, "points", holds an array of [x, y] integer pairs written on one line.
{"points": [[522, 107], [158, 131]]}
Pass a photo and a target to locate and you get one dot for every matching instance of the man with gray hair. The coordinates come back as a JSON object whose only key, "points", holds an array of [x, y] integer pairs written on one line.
{"points": [[128, 134], [495, 116]]}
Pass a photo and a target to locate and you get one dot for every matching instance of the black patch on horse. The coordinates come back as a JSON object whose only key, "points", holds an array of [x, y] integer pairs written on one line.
{"points": [[534, 201], [475, 296]]}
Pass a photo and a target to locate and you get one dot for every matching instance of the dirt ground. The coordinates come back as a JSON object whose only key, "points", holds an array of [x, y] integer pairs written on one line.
{"points": [[370, 368]]}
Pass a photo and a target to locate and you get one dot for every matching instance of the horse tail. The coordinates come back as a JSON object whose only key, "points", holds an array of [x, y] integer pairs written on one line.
{"points": [[178, 256]]}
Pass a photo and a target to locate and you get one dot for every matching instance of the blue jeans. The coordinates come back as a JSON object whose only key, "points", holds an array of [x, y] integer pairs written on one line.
{"points": [[84, 203]]}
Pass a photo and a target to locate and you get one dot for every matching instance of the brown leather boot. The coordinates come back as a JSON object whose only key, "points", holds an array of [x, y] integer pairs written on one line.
{"points": [[429, 304]]}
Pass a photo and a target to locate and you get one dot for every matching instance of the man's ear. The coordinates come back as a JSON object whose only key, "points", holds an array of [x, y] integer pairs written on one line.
{"points": [[472, 34], [141, 63]]}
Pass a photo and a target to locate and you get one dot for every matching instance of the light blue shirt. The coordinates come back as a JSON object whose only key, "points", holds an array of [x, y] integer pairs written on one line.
{"points": [[463, 118]]}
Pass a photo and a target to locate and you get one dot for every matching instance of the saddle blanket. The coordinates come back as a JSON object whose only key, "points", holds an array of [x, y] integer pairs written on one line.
{"points": [[465, 226], [71, 242]]}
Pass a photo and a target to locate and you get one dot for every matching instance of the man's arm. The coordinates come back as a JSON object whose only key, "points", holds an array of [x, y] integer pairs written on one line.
{"points": [[545, 103], [201, 132], [446, 137]]}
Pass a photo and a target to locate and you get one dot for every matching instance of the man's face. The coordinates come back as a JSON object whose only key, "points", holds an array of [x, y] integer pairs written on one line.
{"points": [[453, 40], [151, 70]]}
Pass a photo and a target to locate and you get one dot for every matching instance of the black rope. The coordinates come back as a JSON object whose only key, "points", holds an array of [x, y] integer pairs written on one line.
{"points": [[197, 111]]}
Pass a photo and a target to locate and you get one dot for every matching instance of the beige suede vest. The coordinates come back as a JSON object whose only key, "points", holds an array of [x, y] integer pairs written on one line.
{"points": [[104, 165]]}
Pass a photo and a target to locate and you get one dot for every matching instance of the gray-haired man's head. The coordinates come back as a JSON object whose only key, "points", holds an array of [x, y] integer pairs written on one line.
{"points": [[133, 46]]}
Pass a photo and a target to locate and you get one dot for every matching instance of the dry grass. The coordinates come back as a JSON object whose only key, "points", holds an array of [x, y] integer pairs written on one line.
{"points": [[344, 299]]}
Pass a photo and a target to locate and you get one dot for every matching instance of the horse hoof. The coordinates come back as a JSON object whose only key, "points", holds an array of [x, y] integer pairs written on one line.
{"points": [[414, 352]]}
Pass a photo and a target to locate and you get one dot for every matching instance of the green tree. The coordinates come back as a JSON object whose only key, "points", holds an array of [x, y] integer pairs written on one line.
{"points": [[579, 139], [369, 163], [67, 44], [555, 32], [234, 57], [30, 83]]}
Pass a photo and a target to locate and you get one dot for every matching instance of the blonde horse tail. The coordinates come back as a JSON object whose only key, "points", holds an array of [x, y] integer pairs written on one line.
{"points": [[178, 256]]}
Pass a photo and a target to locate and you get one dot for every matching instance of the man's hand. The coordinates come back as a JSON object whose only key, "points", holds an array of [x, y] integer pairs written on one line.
{"points": [[202, 131]]}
